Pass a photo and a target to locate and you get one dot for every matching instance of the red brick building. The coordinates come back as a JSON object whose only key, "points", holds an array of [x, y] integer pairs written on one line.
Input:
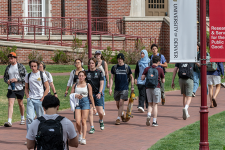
{"points": [[146, 18]]}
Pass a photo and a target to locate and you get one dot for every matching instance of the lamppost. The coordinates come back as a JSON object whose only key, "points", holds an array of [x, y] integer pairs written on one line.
{"points": [[204, 144], [89, 28]]}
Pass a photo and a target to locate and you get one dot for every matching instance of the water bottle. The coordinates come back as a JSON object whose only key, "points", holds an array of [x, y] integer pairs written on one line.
{"points": [[12, 85]]}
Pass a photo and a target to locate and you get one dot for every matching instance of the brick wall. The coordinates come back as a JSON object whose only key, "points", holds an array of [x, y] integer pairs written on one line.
{"points": [[17, 10], [4, 8], [119, 8], [166, 41]]}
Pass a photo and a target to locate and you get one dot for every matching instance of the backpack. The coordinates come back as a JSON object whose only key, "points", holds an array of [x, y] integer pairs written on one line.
{"points": [[103, 64], [50, 134], [74, 74], [184, 71], [211, 66], [42, 80], [152, 78], [127, 70], [164, 70]]}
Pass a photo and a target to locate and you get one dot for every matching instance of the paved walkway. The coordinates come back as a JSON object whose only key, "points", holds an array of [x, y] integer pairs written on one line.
{"points": [[133, 135]]}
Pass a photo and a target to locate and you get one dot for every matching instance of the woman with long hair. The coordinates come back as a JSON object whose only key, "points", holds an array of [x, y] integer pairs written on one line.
{"points": [[83, 92], [103, 67]]}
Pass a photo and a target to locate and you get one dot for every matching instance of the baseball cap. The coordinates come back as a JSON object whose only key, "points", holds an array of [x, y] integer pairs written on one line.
{"points": [[120, 55], [12, 54], [98, 52]]}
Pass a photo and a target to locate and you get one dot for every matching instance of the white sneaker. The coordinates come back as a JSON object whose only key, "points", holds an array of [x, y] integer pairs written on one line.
{"points": [[96, 114], [25, 143], [80, 138], [188, 116], [140, 109], [104, 112], [148, 121], [185, 114], [22, 122], [83, 142]]}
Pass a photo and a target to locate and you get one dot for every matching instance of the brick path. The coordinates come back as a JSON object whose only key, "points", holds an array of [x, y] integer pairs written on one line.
{"points": [[134, 135]]}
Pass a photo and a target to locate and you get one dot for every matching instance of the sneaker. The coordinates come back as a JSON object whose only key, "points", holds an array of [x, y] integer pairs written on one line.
{"points": [[8, 124], [140, 109], [92, 131], [123, 117], [185, 114], [193, 94], [214, 102], [163, 101], [188, 116], [96, 114], [25, 143], [80, 138], [148, 121], [154, 124], [22, 122], [104, 112], [117, 122], [102, 127], [83, 142]]}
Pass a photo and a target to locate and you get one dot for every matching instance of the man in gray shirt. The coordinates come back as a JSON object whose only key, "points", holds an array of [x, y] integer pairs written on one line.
{"points": [[14, 77]]}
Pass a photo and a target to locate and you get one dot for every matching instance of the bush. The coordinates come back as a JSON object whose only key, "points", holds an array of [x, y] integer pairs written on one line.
{"points": [[114, 58], [4, 52], [61, 57], [107, 54], [34, 55]]}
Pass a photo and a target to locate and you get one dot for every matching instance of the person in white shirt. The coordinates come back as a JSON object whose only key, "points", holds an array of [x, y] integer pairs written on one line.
{"points": [[42, 68], [51, 106], [36, 88], [14, 77]]}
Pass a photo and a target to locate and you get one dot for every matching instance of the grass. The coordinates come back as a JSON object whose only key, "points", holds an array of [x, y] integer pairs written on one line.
{"points": [[187, 138], [60, 83]]}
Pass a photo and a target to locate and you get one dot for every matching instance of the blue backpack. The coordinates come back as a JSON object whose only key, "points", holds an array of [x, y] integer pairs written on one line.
{"points": [[152, 78]]}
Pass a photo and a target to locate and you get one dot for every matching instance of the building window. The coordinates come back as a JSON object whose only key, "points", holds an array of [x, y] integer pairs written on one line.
{"points": [[35, 8], [156, 7]]}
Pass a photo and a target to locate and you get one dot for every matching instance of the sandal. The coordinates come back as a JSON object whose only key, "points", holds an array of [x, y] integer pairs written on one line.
{"points": [[214, 102], [211, 106]]}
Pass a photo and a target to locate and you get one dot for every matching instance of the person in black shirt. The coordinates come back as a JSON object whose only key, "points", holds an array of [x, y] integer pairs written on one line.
{"points": [[96, 79]]}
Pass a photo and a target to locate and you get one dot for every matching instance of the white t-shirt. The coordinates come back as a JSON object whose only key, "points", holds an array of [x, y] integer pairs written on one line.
{"points": [[14, 73], [35, 85], [68, 128], [50, 80]]}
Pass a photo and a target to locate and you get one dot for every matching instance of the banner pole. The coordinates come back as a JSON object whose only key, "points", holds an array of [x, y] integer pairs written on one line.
{"points": [[89, 28], [204, 144]]}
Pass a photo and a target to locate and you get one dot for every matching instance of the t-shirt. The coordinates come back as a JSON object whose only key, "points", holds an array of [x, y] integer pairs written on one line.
{"points": [[94, 78], [68, 128], [14, 73], [178, 65], [160, 74], [163, 59], [35, 85], [121, 76], [50, 80]]}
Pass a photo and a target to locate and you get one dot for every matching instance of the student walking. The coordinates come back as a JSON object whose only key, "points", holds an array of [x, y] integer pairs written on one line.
{"points": [[214, 78], [36, 88], [163, 65], [14, 77], [103, 67], [186, 84], [83, 91], [96, 79], [51, 128], [122, 74], [42, 68], [153, 76], [143, 63]]}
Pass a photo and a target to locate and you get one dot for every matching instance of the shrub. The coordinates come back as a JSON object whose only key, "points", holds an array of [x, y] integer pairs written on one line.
{"points": [[61, 57], [114, 58], [107, 54], [35, 55], [4, 52]]}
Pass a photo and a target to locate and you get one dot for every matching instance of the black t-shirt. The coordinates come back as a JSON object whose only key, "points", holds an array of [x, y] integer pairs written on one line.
{"points": [[94, 78]]}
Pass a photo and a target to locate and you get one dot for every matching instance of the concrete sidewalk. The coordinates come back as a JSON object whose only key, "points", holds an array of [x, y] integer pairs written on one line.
{"points": [[133, 135]]}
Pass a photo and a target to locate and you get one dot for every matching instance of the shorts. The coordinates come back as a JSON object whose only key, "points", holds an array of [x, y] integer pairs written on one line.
{"points": [[186, 86], [83, 104], [15, 94], [98, 102], [153, 95], [118, 95], [213, 80]]}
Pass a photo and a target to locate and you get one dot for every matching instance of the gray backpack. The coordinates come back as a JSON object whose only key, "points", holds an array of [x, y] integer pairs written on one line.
{"points": [[152, 78]]}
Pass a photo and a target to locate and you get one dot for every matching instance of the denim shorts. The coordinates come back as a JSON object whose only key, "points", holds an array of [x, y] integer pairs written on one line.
{"points": [[98, 102], [83, 104]]}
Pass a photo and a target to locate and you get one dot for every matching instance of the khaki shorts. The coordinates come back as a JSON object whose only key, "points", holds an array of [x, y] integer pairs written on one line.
{"points": [[186, 86], [153, 95], [213, 80], [118, 95]]}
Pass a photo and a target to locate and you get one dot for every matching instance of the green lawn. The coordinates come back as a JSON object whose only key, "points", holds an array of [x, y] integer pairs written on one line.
{"points": [[187, 138], [60, 83]]}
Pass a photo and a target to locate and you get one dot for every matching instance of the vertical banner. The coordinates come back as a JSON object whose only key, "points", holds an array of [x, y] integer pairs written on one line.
{"points": [[217, 30], [183, 31]]}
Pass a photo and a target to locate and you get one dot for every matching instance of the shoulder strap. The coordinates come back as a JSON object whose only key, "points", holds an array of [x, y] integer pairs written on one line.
{"points": [[41, 119], [160, 55], [87, 89], [42, 80], [47, 74], [59, 118], [126, 67], [115, 67], [28, 79], [103, 64]]}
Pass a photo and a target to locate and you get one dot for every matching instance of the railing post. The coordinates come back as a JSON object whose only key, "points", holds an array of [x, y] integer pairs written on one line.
{"points": [[7, 31], [49, 37], [18, 25], [112, 42], [61, 36], [45, 26], [95, 24], [34, 32], [23, 34], [71, 26], [100, 41]]}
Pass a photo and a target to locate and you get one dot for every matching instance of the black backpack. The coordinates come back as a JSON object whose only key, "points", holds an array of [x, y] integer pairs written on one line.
{"points": [[184, 71], [164, 70], [50, 134], [152, 78]]}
